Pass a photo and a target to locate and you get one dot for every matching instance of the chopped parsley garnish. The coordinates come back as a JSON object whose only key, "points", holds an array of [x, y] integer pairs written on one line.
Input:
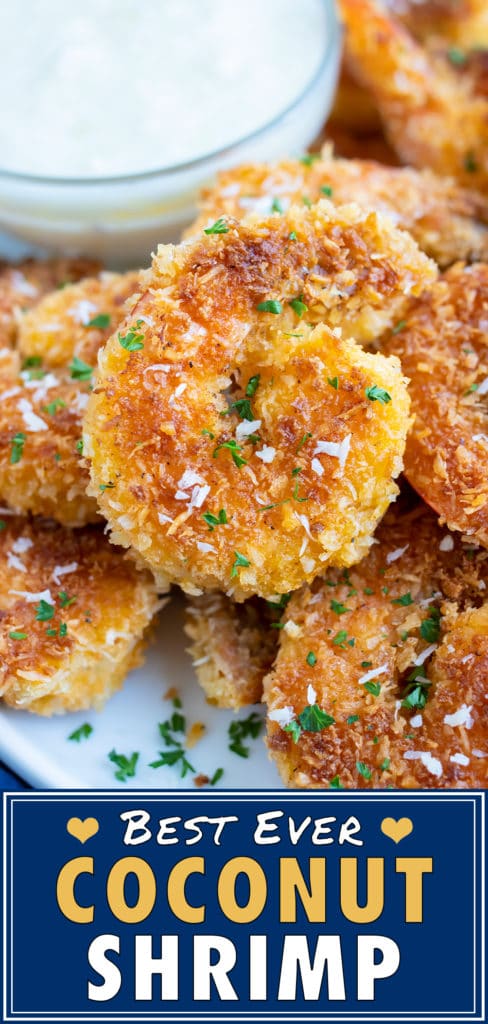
{"points": [[372, 687], [252, 385], [133, 341], [292, 236], [294, 729], [17, 451], [234, 448], [309, 158], [53, 407], [335, 783], [31, 361], [385, 765], [15, 635], [326, 190], [295, 493], [3, 525], [399, 326], [243, 409], [213, 521], [209, 434], [79, 446], [404, 600], [82, 733], [106, 487], [341, 640], [270, 306], [64, 600], [363, 770], [430, 628], [456, 56], [169, 758], [126, 766], [311, 659], [470, 163], [352, 719], [63, 630], [307, 201], [376, 394], [218, 228], [277, 206], [298, 306], [366, 664], [102, 320], [80, 370], [305, 438], [416, 690], [281, 603], [44, 611], [244, 728], [296, 471], [217, 775], [338, 608], [240, 561], [471, 389], [314, 719], [334, 382]]}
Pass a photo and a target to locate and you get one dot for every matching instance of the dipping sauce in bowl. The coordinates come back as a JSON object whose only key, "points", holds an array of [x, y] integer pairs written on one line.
{"points": [[115, 112]]}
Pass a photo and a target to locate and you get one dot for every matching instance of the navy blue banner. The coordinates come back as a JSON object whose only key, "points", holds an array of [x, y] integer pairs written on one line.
{"points": [[247, 906]]}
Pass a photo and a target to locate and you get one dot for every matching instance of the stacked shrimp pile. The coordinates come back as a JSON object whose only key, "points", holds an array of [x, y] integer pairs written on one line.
{"points": [[321, 328]]}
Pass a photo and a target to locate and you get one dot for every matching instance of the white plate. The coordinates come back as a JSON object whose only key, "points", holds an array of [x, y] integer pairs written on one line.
{"points": [[38, 748]]}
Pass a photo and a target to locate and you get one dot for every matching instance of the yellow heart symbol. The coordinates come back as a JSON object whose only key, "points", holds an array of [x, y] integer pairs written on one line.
{"points": [[397, 830], [82, 830]]}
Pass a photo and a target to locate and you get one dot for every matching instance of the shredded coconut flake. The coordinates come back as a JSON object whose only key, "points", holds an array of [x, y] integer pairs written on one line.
{"points": [[283, 716], [203, 546], [459, 759], [311, 694], [337, 450], [63, 570], [461, 717], [247, 427], [373, 673], [317, 466], [189, 479], [416, 722], [482, 388], [163, 518], [266, 453], [83, 311], [22, 544], [419, 660], [14, 562], [447, 543], [393, 556], [432, 764], [31, 420], [43, 595], [292, 629]]}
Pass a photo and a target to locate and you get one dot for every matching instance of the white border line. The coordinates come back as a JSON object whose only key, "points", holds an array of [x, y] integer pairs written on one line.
{"points": [[250, 796]]}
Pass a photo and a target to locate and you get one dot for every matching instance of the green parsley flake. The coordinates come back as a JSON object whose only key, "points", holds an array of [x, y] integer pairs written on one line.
{"points": [[218, 228], [240, 562], [102, 320], [80, 370], [17, 451], [339, 608], [456, 56], [307, 202], [306, 437], [430, 628], [292, 236], [334, 382], [252, 385], [311, 659], [376, 394], [277, 206], [133, 341], [44, 611], [298, 306], [363, 770], [326, 190], [399, 326], [79, 446], [404, 600], [126, 766], [64, 600], [3, 525], [270, 306], [213, 521], [309, 158], [169, 758], [82, 733], [14, 635], [314, 719], [242, 729], [234, 448], [352, 719], [470, 163], [385, 765], [217, 775], [372, 687], [53, 407], [335, 783]]}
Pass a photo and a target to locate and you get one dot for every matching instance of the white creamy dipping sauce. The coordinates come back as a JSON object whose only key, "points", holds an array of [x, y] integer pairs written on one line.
{"points": [[101, 88]]}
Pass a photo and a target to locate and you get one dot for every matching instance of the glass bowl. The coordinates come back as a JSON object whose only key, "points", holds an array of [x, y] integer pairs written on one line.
{"points": [[121, 219]]}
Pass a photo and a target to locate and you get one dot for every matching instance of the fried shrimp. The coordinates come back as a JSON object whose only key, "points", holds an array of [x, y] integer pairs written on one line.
{"points": [[443, 347], [447, 222], [76, 321], [463, 24], [73, 615], [432, 115], [42, 398], [41, 467], [380, 679], [216, 405], [22, 285], [233, 647]]}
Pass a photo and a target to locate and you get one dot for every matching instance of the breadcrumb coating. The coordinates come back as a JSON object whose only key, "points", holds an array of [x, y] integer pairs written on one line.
{"points": [[233, 647], [395, 652], [448, 222], [73, 615], [433, 116], [22, 285], [215, 395], [443, 347]]}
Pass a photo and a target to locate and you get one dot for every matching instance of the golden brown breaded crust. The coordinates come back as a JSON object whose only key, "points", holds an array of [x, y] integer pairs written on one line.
{"points": [[463, 23], [447, 222], [357, 638], [41, 465], [58, 328], [443, 346], [73, 614], [433, 116], [233, 647], [161, 436], [22, 285]]}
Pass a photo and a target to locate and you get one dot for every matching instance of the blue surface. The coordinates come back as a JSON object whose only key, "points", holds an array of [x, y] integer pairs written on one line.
{"points": [[9, 781]]}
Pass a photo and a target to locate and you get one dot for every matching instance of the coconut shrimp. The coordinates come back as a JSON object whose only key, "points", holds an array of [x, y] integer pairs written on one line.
{"points": [[431, 114], [233, 647], [443, 347], [43, 397], [380, 679], [216, 399], [447, 222], [76, 321], [463, 24], [22, 285], [74, 614]]}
